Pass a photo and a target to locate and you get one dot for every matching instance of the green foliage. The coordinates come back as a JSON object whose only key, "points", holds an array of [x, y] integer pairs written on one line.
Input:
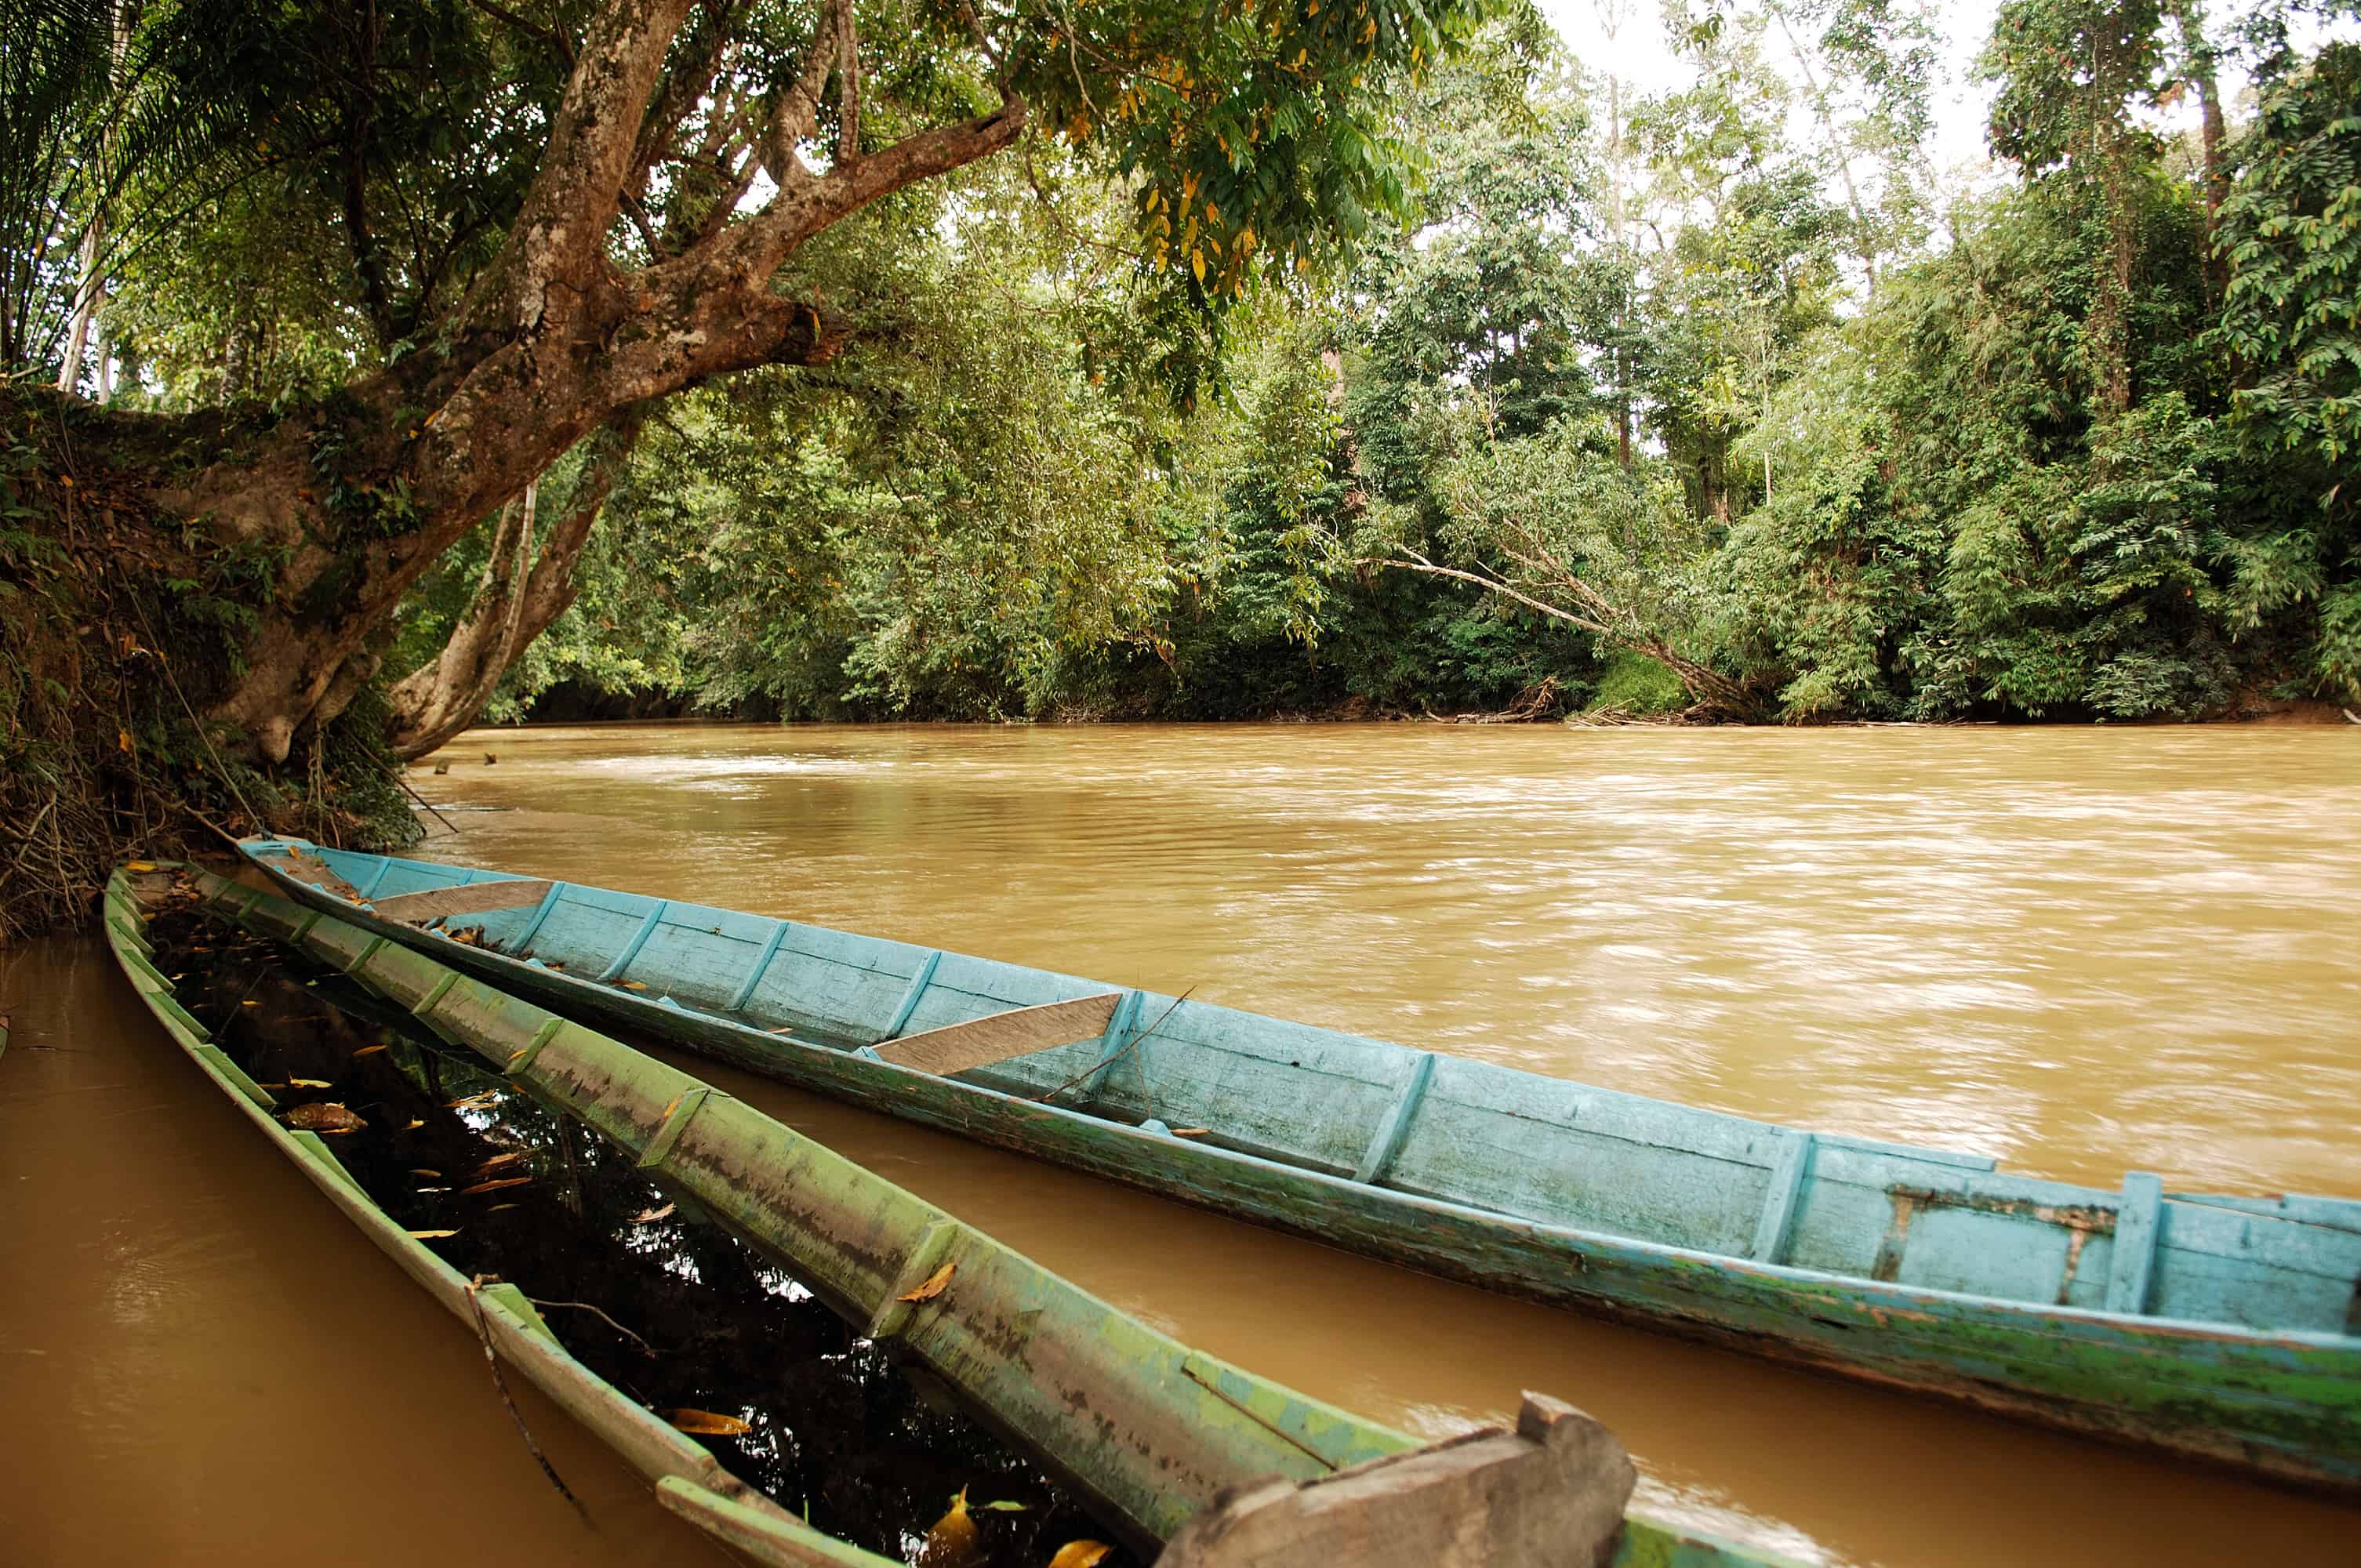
{"points": [[1635, 685]]}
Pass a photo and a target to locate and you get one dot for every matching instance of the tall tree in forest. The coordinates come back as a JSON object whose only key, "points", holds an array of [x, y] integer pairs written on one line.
{"points": [[628, 257], [2070, 75]]}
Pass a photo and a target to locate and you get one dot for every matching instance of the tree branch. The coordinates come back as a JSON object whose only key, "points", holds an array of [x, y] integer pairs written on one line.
{"points": [[557, 241]]}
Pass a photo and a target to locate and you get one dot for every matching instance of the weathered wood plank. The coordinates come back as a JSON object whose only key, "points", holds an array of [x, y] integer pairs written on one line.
{"points": [[639, 939], [1551, 1492], [1779, 1205], [909, 1003], [1387, 1142], [997, 1036], [2135, 1239], [475, 898]]}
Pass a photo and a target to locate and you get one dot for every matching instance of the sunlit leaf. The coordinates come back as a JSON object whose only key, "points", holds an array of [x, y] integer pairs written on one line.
{"points": [[649, 1216], [934, 1287], [494, 1186], [1080, 1554], [706, 1423], [433, 1235]]}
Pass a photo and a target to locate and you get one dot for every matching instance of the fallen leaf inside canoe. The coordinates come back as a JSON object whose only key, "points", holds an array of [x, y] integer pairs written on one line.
{"points": [[952, 1543], [630, 986], [368, 1050], [433, 1235], [308, 1083], [934, 1285], [1080, 1554], [1191, 1131], [651, 1216], [494, 1186], [324, 1118], [705, 1423]]}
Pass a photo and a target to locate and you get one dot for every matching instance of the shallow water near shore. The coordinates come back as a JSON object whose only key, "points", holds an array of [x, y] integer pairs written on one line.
{"points": [[2081, 951]]}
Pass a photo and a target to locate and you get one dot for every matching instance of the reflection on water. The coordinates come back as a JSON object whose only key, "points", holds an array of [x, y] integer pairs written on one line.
{"points": [[677, 1312], [2077, 950]]}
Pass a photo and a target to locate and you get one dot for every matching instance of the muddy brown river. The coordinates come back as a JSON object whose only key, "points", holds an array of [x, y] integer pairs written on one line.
{"points": [[2077, 950]]}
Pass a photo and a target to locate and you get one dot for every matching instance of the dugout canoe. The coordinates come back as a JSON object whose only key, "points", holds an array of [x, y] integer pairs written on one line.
{"points": [[2227, 1328], [1199, 1463]]}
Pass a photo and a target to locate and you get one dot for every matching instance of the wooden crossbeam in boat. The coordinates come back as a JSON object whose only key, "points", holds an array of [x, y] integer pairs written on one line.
{"points": [[996, 1037], [475, 898], [1549, 1493]]}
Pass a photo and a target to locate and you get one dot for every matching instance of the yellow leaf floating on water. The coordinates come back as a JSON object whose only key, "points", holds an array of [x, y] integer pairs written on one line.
{"points": [[368, 1050], [324, 1118], [414, 1126], [952, 1543], [706, 1423], [649, 1216], [1080, 1554], [498, 1160], [494, 1186], [932, 1288], [484, 1102], [433, 1235], [430, 1175], [304, 1082]]}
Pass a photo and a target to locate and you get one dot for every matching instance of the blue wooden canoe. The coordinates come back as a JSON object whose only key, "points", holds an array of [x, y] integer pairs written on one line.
{"points": [[2225, 1328]]}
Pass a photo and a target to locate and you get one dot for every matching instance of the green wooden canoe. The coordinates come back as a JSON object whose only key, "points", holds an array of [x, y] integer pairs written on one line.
{"points": [[2223, 1327], [1162, 1436]]}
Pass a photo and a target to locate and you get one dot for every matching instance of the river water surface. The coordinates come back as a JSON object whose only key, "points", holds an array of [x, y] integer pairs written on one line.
{"points": [[2077, 950]]}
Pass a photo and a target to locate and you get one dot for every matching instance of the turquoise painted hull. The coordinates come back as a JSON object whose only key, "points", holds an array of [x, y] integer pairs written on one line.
{"points": [[2217, 1327]]}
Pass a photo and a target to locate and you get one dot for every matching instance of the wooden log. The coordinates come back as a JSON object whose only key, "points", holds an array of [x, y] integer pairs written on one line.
{"points": [[997, 1036], [475, 898], [1550, 1493]]}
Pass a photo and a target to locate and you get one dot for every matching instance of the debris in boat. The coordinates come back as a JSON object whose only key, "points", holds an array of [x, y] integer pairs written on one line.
{"points": [[442, 768], [649, 1216], [489, 759], [706, 1423], [934, 1285], [1080, 1554], [630, 986], [324, 1118], [952, 1543], [494, 1186], [1191, 1131]]}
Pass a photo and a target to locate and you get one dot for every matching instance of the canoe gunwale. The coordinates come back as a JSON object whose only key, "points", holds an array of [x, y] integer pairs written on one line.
{"points": [[1688, 1291]]}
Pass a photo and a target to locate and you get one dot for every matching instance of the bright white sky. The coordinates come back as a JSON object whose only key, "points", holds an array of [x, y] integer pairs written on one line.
{"points": [[1640, 55]]}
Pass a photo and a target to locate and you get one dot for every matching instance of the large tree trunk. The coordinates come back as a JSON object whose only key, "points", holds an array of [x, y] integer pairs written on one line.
{"points": [[362, 495], [513, 607]]}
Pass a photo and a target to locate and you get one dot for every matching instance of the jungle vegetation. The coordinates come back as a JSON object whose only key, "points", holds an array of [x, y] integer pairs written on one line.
{"points": [[375, 366]]}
